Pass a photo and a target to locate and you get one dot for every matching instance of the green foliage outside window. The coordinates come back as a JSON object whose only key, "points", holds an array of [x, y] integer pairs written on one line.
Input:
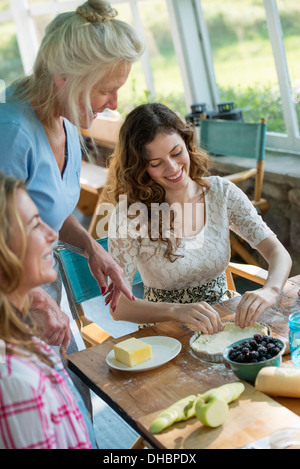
{"points": [[232, 35]]}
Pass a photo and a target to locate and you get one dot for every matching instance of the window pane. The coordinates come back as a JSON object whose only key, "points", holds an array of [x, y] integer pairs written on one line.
{"points": [[40, 23], [10, 61], [4, 5], [34, 2], [290, 19], [165, 70], [133, 91], [243, 59]]}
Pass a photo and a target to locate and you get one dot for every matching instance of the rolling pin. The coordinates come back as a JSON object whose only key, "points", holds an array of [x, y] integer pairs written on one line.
{"points": [[278, 381]]}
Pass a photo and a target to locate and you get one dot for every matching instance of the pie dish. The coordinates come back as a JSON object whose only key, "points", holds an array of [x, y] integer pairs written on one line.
{"points": [[209, 347]]}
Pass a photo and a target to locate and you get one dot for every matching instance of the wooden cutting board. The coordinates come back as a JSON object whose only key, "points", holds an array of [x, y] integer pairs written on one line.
{"points": [[252, 417]]}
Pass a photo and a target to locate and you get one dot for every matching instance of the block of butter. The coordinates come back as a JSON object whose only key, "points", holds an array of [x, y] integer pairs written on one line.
{"points": [[132, 351]]}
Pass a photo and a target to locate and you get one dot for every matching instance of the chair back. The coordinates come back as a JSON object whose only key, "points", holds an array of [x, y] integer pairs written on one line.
{"points": [[78, 281], [233, 138]]}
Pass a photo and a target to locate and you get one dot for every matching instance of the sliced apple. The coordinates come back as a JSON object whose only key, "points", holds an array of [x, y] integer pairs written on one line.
{"points": [[181, 410], [212, 411], [185, 408], [229, 392]]}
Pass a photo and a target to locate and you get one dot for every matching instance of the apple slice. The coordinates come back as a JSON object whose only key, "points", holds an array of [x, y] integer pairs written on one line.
{"points": [[184, 409], [212, 411], [229, 392], [181, 410]]}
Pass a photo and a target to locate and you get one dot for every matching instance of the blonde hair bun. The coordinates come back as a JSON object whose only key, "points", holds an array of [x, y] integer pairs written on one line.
{"points": [[97, 11]]}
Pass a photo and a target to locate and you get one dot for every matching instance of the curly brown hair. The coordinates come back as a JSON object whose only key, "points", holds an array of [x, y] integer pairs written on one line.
{"points": [[129, 163]]}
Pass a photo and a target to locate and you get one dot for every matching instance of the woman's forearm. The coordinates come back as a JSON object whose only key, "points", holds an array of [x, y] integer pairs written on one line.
{"points": [[279, 269], [279, 261], [101, 263], [142, 311], [200, 316], [74, 233], [254, 303]]}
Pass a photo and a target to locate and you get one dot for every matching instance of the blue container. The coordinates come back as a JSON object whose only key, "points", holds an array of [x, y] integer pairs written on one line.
{"points": [[294, 338]]}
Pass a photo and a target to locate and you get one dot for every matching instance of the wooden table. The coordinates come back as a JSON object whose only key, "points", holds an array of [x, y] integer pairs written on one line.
{"points": [[139, 397]]}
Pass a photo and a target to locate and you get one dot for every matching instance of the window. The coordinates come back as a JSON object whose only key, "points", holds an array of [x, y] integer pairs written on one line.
{"points": [[290, 18], [10, 60], [197, 51], [250, 61], [164, 82], [156, 76], [243, 59]]}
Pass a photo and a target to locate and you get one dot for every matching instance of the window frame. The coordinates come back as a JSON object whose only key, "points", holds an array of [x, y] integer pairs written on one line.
{"points": [[185, 27]]}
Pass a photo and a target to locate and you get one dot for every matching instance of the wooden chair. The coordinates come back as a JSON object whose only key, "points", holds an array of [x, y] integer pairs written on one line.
{"points": [[80, 286], [92, 181], [251, 272], [244, 140]]}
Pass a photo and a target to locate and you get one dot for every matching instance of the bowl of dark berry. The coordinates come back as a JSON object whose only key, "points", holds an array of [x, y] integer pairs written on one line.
{"points": [[247, 356]]}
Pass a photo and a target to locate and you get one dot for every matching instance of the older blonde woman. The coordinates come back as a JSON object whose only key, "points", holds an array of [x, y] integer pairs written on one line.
{"points": [[39, 405], [84, 58]]}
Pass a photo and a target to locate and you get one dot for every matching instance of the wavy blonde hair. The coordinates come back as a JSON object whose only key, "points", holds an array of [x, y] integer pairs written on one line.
{"points": [[129, 163], [16, 328], [82, 46]]}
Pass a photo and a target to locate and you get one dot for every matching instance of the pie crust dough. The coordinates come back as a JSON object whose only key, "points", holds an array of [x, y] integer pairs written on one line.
{"points": [[209, 347]]}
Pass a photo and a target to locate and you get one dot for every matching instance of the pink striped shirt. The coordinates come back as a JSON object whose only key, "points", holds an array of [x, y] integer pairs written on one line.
{"points": [[38, 409]]}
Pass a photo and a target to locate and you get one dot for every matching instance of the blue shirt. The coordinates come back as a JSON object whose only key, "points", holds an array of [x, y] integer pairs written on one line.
{"points": [[25, 153]]}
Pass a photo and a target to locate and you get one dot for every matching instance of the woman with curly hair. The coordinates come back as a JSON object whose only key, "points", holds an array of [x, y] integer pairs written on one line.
{"points": [[172, 222]]}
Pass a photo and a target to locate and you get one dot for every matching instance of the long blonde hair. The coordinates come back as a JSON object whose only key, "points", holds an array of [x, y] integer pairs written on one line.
{"points": [[16, 328], [82, 46]]}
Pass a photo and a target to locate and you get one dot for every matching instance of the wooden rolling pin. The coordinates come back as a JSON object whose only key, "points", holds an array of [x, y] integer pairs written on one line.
{"points": [[279, 381]]}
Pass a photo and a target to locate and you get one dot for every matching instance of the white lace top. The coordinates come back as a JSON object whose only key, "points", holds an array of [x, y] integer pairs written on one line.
{"points": [[206, 255]]}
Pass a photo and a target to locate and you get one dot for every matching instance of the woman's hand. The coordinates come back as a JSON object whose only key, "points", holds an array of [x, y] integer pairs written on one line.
{"points": [[54, 323], [200, 315], [101, 266], [101, 263], [253, 304]]}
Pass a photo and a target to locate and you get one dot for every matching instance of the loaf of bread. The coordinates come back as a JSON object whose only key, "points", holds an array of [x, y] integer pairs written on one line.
{"points": [[284, 382]]}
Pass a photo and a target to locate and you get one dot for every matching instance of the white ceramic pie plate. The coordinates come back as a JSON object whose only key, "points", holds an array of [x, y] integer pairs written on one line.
{"points": [[163, 348]]}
